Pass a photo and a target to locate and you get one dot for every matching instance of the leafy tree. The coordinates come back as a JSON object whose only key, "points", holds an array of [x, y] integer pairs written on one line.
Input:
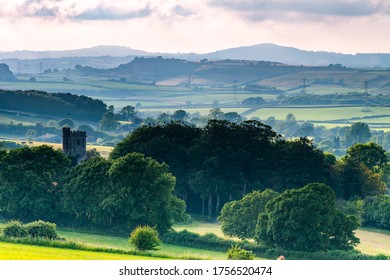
{"points": [[128, 112], [216, 114], [169, 143], [145, 238], [306, 219], [295, 163], [180, 116], [377, 212], [108, 122], [83, 191], [29, 185], [371, 155], [357, 180], [239, 217], [140, 193], [232, 117], [359, 132]]}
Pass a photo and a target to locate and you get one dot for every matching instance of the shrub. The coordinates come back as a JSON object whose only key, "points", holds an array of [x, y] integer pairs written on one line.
{"points": [[145, 238], [14, 229], [41, 229], [237, 253], [377, 212]]}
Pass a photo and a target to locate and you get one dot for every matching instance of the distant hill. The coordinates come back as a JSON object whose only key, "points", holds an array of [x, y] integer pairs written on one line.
{"points": [[178, 71], [5, 73], [114, 51], [115, 55], [294, 56]]}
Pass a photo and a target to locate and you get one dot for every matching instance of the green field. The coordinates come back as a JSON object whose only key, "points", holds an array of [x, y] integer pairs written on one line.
{"points": [[320, 114], [122, 243], [10, 251], [373, 242]]}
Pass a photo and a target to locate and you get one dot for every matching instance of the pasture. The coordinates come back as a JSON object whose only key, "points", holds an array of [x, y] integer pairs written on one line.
{"points": [[10, 251]]}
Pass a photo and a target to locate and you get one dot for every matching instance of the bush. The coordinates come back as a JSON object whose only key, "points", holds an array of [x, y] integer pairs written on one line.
{"points": [[237, 253], [145, 238], [14, 229], [212, 242], [41, 229], [377, 212]]}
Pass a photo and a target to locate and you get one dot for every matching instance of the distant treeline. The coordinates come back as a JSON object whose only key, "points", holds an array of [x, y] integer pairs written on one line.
{"points": [[55, 104]]}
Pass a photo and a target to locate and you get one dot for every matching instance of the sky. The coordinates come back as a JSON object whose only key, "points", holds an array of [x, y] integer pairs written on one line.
{"points": [[200, 26]]}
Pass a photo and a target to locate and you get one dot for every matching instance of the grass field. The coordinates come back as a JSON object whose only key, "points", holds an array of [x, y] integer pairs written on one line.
{"points": [[10, 251], [122, 243], [320, 114], [372, 242]]}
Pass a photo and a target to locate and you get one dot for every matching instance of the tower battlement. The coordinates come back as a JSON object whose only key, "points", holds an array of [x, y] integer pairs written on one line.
{"points": [[74, 143]]}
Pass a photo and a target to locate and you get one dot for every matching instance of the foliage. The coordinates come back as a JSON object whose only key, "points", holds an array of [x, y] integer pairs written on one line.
{"points": [[14, 229], [211, 241], [356, 179], [108, 122], [84, 190], [122, 194], [55, 104], [371, 155], [29, 185], [359, 132], [237, 253], [377, 212], [41, 229], [238, 218], [145, 238], [353, 206], [306, 219]]}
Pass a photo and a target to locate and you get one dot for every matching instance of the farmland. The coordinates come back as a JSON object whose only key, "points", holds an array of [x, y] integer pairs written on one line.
{"points": [[373, 242], [10, 251]]}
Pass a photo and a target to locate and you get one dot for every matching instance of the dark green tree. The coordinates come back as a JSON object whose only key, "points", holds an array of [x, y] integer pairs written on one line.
{"points": [[180, 116], [108, 122], [83, 191], [356, 179], [128, 112], [357, 133], [29, 185], [306, 219], [371, 155], [169, 143], [140, 193], [239, 217]]}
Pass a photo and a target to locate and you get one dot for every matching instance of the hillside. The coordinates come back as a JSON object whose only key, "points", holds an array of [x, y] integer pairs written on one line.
{"points": [[26, 61]]}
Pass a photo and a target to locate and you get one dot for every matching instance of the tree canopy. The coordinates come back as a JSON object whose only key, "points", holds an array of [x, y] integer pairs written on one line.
{"points": [[306, 219], [239, 217]]}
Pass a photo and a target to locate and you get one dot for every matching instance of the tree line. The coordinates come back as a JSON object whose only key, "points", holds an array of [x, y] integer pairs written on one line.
{"points": [[159, 170], [55, 104]]}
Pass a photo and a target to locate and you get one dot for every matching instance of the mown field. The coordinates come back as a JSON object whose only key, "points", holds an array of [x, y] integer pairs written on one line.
{"points": [[10, 251], [373, 242]]}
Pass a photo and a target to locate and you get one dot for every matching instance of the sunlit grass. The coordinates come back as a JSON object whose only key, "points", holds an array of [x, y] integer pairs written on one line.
{"points": [[10, 251]]}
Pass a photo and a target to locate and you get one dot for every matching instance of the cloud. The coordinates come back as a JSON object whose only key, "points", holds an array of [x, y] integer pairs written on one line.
{"points": [[76, 10], [110, 13], [266, 9]]}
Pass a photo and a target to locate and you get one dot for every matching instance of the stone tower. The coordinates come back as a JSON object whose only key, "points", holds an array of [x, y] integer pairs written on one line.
{"points": [[74, 143]]}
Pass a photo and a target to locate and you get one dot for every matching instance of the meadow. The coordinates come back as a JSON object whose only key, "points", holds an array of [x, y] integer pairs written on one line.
{"points": [[11, 251]]}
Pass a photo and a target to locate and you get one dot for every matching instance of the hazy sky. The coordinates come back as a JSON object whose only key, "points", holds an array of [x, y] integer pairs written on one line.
{"points": [[347, 26]]}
